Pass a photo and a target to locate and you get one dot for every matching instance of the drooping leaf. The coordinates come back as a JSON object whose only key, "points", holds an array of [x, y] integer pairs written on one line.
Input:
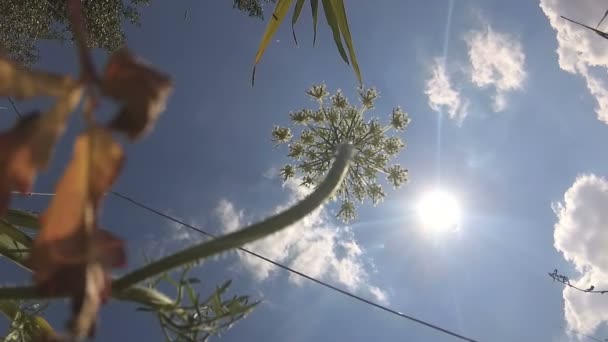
{"points": [[314, 6], [142, 90], [296, 14], [21, 83], [340, 13], [332, 21], [70, 256], [278, 15], [27, 148]]}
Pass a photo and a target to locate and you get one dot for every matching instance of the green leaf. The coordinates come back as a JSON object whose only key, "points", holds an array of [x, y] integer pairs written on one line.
{"points": [[340, 12], [14, 234], [314, 5], [332, 21], [294, 19], [22, 218], [278, 15]]}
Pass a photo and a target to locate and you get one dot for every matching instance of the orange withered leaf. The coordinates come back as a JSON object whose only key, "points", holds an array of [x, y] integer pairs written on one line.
{"points": [[21, 83], [27, 148], [70, 256], [142, 90]]}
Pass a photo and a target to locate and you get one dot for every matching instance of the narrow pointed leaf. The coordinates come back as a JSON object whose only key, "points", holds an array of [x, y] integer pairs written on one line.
{"points": [[17, 257], [14, 244], [278, 15], [296, 14], [15, 234], [340, 12], [331, 18], [314, 6], [22, 218]]}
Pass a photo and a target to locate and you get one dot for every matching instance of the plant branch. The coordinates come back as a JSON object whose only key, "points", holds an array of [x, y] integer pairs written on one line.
{"points": [[80, 36], [564, 280]]}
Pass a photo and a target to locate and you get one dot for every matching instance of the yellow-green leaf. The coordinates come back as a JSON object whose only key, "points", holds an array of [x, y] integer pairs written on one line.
{"points": [[340, 12], [22, 218], [314, 6], [278, 15], [332, 21], [294, 19], [14, 244], [15, 234]]}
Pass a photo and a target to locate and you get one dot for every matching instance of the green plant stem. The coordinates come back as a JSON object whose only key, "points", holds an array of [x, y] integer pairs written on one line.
{"points": [[137, 294], [124, 289], [254, 232], [146, 296]]}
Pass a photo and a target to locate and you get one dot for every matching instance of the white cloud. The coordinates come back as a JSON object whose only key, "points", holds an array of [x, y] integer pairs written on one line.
{"points": [[380, 295], [312, 245], [581, 234], [497, 60], [175, 236], [579, 50], [442, 95]]}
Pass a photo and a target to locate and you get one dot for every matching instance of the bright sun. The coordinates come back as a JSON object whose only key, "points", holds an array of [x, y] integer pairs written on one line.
{"points": [[439, 211]]}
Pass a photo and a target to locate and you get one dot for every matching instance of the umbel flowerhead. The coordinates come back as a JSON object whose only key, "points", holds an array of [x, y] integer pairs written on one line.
{"points": [[314, 135]]}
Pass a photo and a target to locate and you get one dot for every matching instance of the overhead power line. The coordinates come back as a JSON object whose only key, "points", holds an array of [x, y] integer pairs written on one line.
{"points": [[291, 270], [14, 107], [279, 265]]}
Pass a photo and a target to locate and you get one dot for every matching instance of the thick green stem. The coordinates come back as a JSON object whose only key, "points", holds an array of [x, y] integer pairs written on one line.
{"points": [[124, 289], [252, 233]]}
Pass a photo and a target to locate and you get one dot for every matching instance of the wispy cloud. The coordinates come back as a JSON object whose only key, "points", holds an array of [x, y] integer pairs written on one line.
{"points": [[497, 60], [579, 49], [313, 246], [581, 235], [442, 95]]}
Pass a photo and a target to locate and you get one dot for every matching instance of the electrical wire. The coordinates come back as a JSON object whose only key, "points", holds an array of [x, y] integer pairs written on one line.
{"points": [[277, 264], [14, 107]]}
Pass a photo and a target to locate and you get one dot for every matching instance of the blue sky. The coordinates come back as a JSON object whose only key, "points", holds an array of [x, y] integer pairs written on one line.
{"points": [[509, 109]]}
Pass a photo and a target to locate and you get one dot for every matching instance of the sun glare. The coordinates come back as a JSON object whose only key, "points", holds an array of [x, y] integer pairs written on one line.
{"points": [[439, 211]]}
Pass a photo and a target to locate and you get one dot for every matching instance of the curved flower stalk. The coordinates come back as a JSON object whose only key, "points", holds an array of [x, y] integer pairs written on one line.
{"points": [[124, 287], [271, 225], [315, 134]]}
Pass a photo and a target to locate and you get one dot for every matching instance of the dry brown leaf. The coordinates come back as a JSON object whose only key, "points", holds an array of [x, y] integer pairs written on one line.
{"points": [[21, 83], [27, 148], [68, 256], [142, 91]]}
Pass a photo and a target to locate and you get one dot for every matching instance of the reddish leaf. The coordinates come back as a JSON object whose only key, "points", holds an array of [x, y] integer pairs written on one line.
{"points": [[21, 83], [142, 90], [69, 256], [27, 148]]}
